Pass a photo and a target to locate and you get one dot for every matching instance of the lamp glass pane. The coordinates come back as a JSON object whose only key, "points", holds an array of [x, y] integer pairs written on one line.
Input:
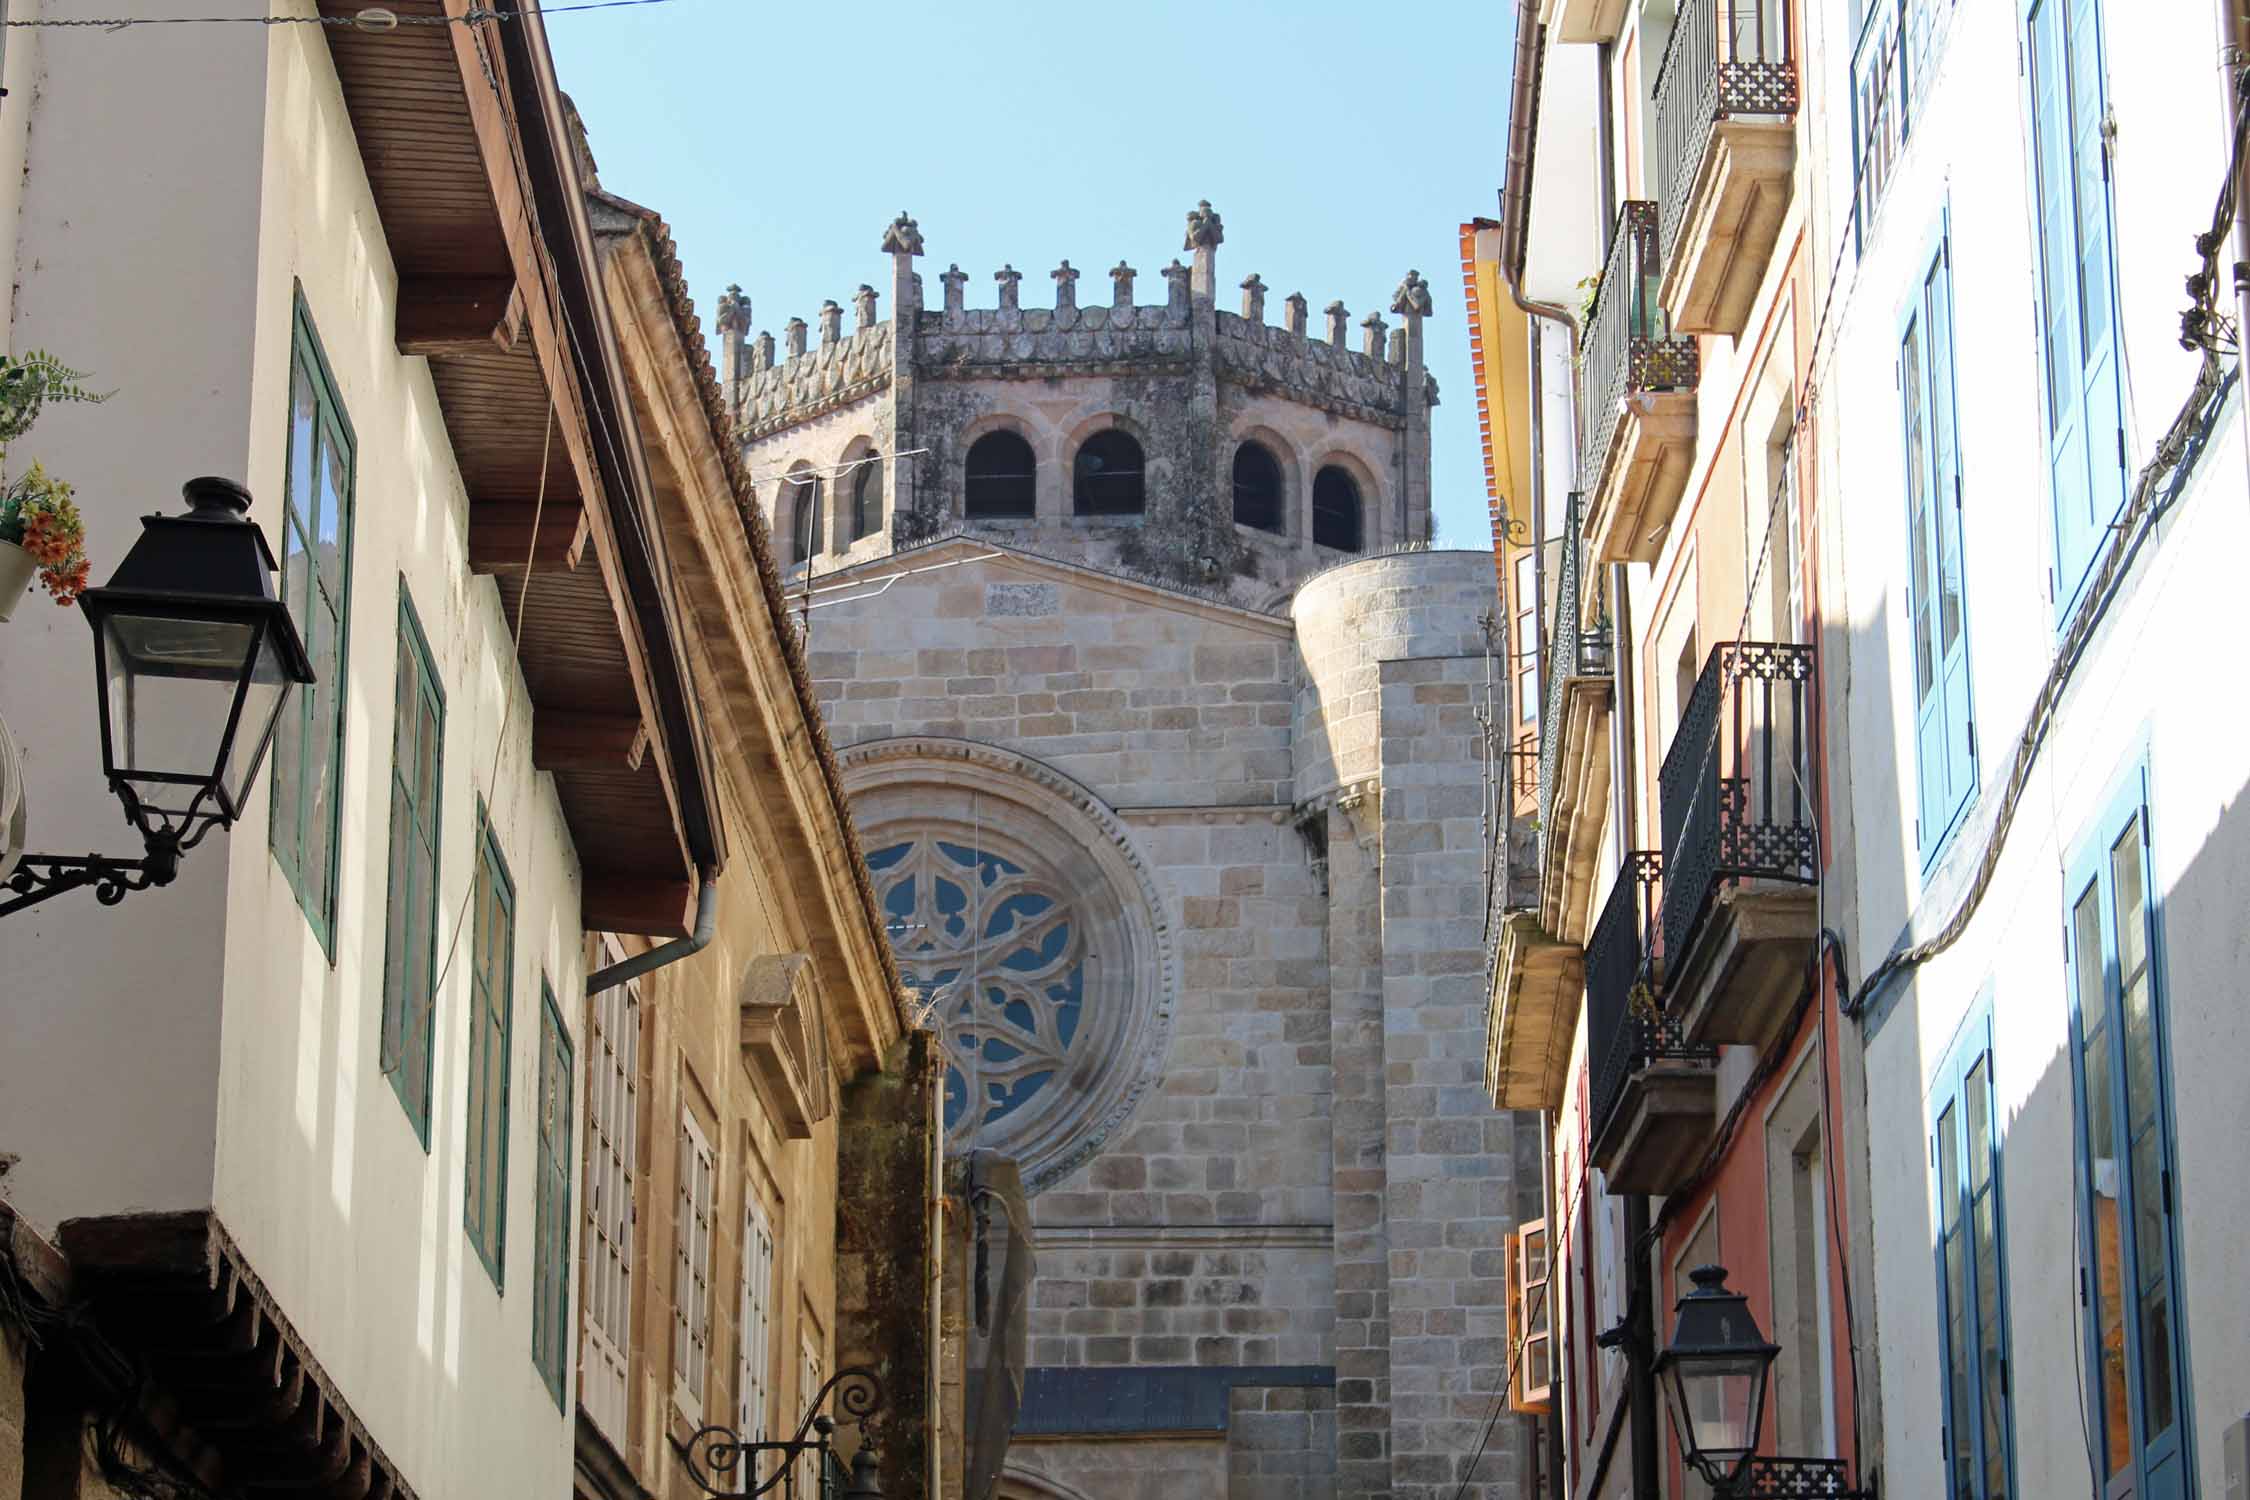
{"points": [[171, 685], [1721, 1395], [261, 703]]}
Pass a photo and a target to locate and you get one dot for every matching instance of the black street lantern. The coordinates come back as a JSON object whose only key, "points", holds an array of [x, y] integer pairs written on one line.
{"points": [[1714, 1377], [195, 656]]}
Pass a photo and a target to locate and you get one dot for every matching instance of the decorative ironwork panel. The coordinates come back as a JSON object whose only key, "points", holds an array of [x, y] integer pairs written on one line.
{"points": [[1799, 1479], [1726, 59], [1629, 345], [1626, 1025], [1736, 786]]}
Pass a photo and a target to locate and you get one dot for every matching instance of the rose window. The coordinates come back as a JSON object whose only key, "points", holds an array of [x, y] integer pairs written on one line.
{"points": [[1030, 938], [996, 953]]}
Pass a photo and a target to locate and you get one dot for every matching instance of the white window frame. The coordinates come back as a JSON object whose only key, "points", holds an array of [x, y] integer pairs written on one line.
{"points": [[811, 1372], [608, 1207], [692, 1229], [753, 1378]]}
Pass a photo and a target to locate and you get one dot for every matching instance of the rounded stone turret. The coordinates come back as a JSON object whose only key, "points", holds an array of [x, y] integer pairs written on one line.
{"points": [[1351, 620]]}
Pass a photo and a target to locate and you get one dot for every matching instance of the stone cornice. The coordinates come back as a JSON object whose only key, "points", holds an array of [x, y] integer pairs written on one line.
{"points": [[1104, 580], [1184, 1236]]}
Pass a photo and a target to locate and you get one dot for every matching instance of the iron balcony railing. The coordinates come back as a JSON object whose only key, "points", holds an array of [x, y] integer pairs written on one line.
{"points": [[1572, 651], [1727, 59], [1736, 787], [1626, 1028], [1629, 347]]}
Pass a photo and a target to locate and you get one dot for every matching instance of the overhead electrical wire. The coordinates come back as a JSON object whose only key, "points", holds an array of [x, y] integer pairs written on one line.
{"points": [[374, 18]]}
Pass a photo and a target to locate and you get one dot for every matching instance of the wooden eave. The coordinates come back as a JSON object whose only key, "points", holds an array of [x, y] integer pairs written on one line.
{"points": [[460, 128], [748, 665], [235, 1394]]}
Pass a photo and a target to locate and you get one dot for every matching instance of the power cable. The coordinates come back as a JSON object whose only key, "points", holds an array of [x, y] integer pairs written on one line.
{"points": [[2202, 327], [374, 18]]}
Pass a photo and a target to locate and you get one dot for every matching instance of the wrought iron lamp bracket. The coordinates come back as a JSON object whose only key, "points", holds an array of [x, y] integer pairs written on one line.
{"points": [[166, 836], [722, 1464]]}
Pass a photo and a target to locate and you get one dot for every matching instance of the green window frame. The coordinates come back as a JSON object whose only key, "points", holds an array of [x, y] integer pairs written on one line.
{"points": [[492, 962], [1937, 609], [2079, 354], [316, 570], [1972, 1285], [411, 907], [2129, 1287], [550, 1314]]}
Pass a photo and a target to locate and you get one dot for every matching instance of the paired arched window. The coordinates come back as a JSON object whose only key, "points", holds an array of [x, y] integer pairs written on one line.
{"points": [[1000, 477], [1257, 487], [801, 493], [1337, 519], [1107, 479], [867, 496]]}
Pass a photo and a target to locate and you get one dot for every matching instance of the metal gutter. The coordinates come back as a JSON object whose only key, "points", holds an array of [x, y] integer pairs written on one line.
{"points": [[706, 924]]}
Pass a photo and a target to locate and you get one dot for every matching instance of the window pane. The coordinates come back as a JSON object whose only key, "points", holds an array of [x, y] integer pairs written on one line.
{"points": [[1991, 1379], [1977, 1100], [1949, 1172], [2156, 1365], [1958, 1415], [2103, 1184], [1917, 509]]}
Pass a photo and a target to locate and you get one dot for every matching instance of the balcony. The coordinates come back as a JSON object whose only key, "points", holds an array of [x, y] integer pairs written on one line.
{"points": [[1639, 441], [1726, 152], [1582, 20], [1655, 1095], [1574, 745], [1741, 855]]}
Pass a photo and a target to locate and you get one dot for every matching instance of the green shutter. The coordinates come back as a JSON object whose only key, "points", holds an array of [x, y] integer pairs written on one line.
{"points": [[550, 1330], [492, 958], [411, 908], [316, 527]]}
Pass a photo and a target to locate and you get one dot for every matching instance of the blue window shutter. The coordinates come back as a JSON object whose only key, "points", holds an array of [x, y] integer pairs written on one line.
{"points": [[1938, 609], [1951, 607], [2079, 325]]}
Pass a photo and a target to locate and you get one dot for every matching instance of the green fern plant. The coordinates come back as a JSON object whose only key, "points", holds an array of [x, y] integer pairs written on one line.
{"points": [[29, 382]]}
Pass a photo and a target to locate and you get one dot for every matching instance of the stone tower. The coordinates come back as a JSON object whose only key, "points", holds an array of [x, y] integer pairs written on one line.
{"points": [[1162, 729]]}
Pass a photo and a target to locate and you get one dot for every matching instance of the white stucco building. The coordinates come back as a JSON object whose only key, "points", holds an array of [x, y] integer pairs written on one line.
{"points": [[304, 1122], [2054, 1095]]}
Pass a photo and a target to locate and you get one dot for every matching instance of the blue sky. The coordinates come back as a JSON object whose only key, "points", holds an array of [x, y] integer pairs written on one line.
{"points": [[1342, 142]]}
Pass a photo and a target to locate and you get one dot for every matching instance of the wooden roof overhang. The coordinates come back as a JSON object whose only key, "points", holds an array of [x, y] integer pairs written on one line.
{"points": [[216, 1385], [767, 727], [461, 128]]}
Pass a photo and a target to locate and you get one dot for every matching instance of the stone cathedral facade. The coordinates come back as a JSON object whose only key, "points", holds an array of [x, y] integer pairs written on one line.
{"points": [[1164, 731]]}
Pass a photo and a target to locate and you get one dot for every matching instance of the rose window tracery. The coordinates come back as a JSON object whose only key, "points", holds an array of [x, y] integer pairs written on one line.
{"points": [[997, 954], [1031, 940]]}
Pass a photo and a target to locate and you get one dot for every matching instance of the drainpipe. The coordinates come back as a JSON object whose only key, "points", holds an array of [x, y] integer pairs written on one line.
{"points": [[2234, 57], [706, 923], [1640, 1350]]}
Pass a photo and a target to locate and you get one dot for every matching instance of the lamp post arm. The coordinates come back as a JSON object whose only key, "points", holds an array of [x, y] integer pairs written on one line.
{"points": [[40, 876]]}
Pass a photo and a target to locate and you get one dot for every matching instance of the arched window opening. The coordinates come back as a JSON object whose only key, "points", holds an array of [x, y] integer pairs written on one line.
{"points": [[1107, 479], [1257, 487], [867, 496], [1000, 478], [801, 491], [1336, 514]]}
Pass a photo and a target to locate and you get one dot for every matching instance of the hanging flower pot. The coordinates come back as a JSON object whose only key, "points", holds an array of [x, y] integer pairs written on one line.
{"points": [[41, 530], [16, 569]]}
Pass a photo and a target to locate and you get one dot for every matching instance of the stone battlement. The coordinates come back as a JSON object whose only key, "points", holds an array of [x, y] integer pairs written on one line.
{"points": [[1374, 382]]}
